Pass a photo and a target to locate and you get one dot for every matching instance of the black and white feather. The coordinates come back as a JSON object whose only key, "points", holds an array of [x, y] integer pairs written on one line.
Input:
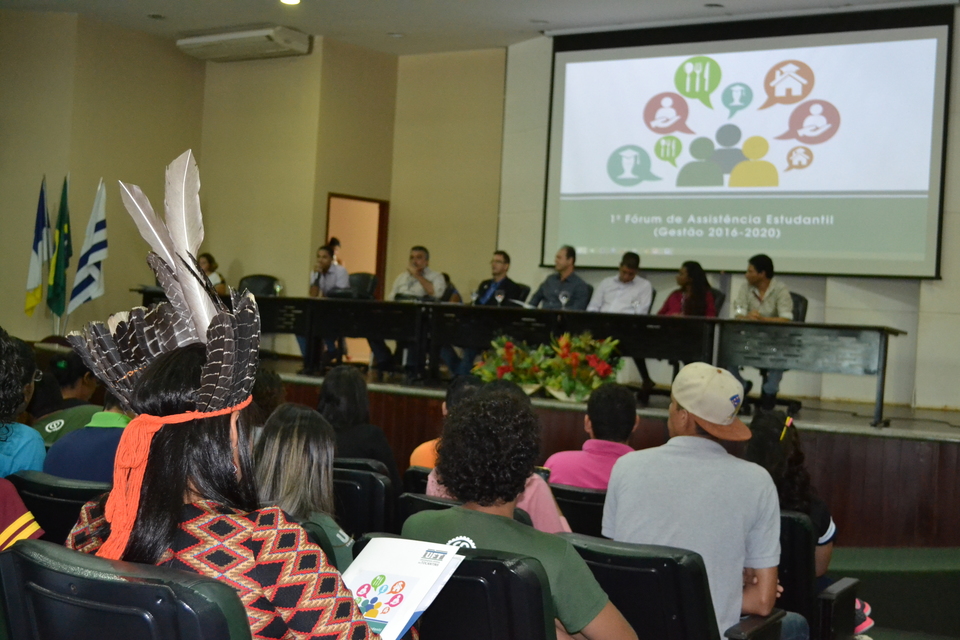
{"points": [[119, 351]]}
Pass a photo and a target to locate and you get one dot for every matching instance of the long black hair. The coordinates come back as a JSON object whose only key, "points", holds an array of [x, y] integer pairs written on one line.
{"points": [[11, 379], [695, 303], [343, 398], [775, 446], [196, 456]]}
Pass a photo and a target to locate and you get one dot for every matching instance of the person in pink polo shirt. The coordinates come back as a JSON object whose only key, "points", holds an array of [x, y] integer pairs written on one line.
{"points": [[611, 418]]}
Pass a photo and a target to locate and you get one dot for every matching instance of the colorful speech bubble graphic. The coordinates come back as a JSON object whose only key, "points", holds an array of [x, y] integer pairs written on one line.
{"points": [[812, 122], [668, 149], [736, 97], [697, 78], [629, 165], [666, 112], [799, 158], [787, 82]]}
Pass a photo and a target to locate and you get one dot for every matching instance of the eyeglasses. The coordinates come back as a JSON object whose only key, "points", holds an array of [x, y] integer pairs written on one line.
{"points": [[37, 375]]}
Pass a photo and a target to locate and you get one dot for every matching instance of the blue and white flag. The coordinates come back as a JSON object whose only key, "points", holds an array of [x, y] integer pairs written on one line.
{"points": [[88, 283], [39, 254]]}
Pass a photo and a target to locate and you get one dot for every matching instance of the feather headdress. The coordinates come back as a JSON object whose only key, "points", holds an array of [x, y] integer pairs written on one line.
{"points": [[119, 351]]}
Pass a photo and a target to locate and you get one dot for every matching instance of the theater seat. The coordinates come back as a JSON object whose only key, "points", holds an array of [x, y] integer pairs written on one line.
{"points": [[415, 479], [411, 503], [543, 472], [583, 508], [52, 593], [364, 501], [663, 591], [260, 285], [524, 291], [55, 502], [493, 595], [831, 614], [363, 464]]}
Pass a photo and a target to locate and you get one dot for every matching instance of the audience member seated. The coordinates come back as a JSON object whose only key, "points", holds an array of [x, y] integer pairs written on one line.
{"points": [[21, 448], [46, 397], [563, 289], [88, 453], [694, 297], [690, 493], [345, 405], [294, 462], [209, 267], [489, 447], [31, 375], [198, 494], [536, 498], [77, 385], [497, 291], [625, 292], [418, 281], [16, 521], [461, 388], [611, 418], [766, 299]]}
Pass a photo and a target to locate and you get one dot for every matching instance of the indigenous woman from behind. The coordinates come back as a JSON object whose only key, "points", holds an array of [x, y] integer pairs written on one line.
{"points": [[294, 462]]}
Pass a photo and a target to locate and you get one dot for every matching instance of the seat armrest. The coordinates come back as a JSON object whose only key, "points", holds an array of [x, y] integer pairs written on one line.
{"points": [[757, 627], [836, 606]]}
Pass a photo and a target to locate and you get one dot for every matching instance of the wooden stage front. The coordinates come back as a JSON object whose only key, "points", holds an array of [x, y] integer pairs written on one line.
{"points": [[897, 486]]}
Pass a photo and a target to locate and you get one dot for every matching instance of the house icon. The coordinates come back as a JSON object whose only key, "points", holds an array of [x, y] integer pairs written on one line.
{"points": [[786, 81]]}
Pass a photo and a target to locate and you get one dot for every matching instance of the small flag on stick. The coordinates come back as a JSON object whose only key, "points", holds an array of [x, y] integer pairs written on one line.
{"points": [[88, 283]]}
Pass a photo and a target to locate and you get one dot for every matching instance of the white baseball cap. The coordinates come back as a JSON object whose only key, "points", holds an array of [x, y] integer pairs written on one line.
{"points": [[713, 397]]}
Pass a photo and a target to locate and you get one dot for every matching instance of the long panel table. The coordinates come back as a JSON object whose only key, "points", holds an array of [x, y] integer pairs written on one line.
{"points": [[821, 348]]}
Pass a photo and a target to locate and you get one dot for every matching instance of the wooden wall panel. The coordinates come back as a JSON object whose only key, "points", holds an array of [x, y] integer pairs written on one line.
{"points": [[882, 492]]}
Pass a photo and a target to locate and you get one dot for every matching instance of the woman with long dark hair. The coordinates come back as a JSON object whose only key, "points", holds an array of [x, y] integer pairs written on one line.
{"points": [[294, 462], [344, 403], [694, 297]]}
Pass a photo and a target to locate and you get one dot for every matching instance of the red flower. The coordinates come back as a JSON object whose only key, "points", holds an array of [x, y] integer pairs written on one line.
{"points": [[574, 360], [508, 346], [535, 369], [592, 360], [603, 369], [504, 370]]}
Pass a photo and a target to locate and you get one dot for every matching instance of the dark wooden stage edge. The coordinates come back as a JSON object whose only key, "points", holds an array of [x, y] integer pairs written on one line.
{"points": [[883, 490]]}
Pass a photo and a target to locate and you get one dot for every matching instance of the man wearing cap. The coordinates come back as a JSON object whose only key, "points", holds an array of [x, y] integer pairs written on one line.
{"points": [[690, 493]]}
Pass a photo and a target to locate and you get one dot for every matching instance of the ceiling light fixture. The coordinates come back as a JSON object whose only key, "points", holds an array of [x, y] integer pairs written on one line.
{"points": [[156, 16], [290, 1], [713, 5], [394, 34], [539, 22]]}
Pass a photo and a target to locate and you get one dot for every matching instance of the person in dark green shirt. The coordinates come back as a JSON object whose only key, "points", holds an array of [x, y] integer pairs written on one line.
{"points": [[487, 452]]}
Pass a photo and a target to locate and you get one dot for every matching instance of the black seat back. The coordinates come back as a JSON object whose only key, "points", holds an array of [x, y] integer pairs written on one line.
{"points": [[583, 508], [661, 591], [524, 292], [363, 464], [415, 479], [653, 297], [51, 593], [543, 472], [800, 304], [364, 285], [260, 285], [55, 502], [719, 297], [411, 503], [589, 292], [364, 501], [509, 599], [797, 571]]}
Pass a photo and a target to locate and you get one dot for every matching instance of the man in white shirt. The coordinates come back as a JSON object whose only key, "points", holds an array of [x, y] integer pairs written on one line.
{"points": [[624, 292], [418, 281]]}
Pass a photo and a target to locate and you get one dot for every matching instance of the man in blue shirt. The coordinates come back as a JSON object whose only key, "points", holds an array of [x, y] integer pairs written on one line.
{"points": [[564, 289]]}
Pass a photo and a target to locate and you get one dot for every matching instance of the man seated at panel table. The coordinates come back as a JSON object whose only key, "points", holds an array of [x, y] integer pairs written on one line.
{"points": [[611, 418], [325, 277], [763, 298], [624, 292], [692, 494], [418, 281], [563, 289]]}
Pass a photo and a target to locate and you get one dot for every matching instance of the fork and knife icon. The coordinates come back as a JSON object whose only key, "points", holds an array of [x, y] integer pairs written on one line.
{"points": [[697, 71]]}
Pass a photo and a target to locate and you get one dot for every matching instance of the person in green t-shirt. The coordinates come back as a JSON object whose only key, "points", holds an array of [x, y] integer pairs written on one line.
{"points": [[487, 452], [294, 463]]}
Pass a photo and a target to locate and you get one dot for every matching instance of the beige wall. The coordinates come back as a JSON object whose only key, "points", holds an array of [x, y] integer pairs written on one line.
{"points": [[97, 101], [355, 143], [446, 162]]}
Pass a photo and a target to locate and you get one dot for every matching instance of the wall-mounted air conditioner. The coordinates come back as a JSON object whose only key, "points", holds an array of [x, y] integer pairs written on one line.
{"points": [[268, 42]]}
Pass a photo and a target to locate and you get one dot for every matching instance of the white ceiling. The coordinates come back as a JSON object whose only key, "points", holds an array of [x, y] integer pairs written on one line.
{"points": [[427, 25]]}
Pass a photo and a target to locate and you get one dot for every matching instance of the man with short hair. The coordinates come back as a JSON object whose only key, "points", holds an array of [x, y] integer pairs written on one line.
{"points": [[564, 283], [766, 299], [611, 418], [692, 494], [88, 453], [487, 291], [624, 292], [327, 276], [418, 281]]}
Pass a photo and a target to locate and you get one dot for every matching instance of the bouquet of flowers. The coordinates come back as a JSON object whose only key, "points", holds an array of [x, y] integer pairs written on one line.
{"points": [[576, 365], [511, 360]]}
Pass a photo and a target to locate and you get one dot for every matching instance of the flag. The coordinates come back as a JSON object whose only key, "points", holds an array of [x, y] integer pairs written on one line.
{"points": [[88, 283], [40, 254], [62, 252]]}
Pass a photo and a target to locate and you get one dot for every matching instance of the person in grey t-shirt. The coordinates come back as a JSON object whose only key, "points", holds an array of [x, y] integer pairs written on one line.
{"points": [[563, 289], [690, 493]]}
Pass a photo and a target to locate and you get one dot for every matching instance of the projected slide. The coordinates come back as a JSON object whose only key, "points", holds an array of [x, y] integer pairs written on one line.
{"points": [[826, 155]]}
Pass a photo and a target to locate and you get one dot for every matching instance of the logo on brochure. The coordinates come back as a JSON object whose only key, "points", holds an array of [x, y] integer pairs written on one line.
{"points": [[433, 557]]}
